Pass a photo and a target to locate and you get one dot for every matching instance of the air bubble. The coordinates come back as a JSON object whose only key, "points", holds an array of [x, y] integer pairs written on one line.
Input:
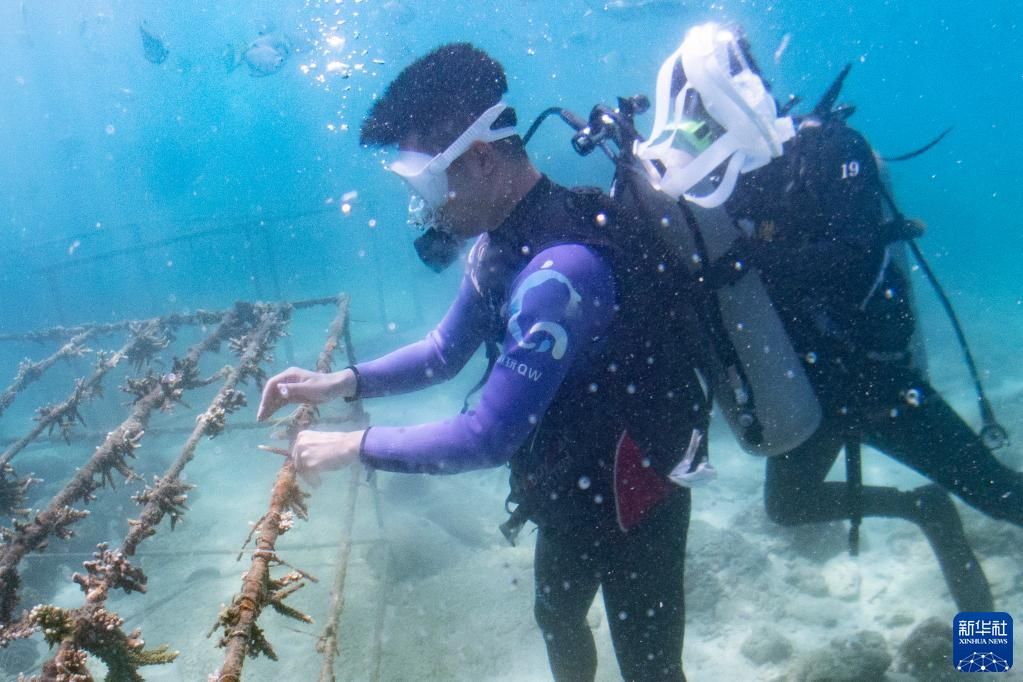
{"points": [[584, 482]]}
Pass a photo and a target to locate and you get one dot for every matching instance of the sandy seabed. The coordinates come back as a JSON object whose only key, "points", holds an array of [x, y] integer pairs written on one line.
{"points": [[433, 591]]}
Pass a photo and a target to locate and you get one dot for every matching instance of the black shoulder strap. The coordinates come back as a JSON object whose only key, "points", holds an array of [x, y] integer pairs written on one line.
{"points": [[493, 352]]}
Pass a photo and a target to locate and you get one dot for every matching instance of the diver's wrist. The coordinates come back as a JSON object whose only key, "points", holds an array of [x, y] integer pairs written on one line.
{"points": [[345, 384]]}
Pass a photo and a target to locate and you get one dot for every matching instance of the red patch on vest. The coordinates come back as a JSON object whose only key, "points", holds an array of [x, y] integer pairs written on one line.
{"points": [[638, 488]]}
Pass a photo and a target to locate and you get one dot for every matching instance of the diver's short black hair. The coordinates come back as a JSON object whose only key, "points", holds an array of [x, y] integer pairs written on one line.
{"points": [[437, 97]]}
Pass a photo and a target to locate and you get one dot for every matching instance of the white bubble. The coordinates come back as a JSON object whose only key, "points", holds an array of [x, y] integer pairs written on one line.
{"points": [[584, 482], [811, 358], [391, 326], [913, 397], [110, 129]]}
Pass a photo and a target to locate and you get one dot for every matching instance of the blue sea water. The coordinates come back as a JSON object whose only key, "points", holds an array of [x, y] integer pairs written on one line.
{"points": [[130, 189]]}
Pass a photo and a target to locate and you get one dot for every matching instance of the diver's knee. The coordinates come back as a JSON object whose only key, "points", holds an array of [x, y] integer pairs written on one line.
{"points": [[782, 509]]}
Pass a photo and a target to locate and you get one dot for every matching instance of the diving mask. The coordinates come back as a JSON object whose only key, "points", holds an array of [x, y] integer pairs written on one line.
{"points": [[428, 175], [710, 73]]}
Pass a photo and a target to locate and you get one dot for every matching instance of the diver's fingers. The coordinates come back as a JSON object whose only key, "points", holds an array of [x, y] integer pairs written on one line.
{"points": [[271, 400], [277, 451], [276, 392], [304, 471]]}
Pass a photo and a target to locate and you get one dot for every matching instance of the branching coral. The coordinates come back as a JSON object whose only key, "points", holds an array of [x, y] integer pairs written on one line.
{"points": [[13, 491], [150, 338], [97, 631], [109, 570], [29, 371]]}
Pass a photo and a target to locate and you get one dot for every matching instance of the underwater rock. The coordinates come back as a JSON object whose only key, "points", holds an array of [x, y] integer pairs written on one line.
{"points": [[764, 645], [992, 537], [819, 542], [20, 656], [843, 578], [926, 654], [724, 552], [864, 656], [703, 591], [718, 556], [808, 581]]}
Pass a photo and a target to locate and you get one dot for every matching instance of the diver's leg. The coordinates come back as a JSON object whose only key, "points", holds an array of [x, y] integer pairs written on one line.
{"points": [[935, 441], [644, 596], [939, 520], [794, 489], [795, 493], [567, 572]]}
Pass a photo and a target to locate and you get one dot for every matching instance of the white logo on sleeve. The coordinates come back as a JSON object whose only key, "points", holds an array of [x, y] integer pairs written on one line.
{"points": [[543, 335]]}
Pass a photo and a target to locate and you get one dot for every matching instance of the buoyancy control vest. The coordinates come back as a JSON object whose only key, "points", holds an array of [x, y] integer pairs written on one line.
{"points": [[622, 418]]}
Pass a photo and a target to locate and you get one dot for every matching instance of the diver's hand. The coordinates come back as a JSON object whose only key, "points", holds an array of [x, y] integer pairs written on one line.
{"points": [[296, 385], [317, 451]]}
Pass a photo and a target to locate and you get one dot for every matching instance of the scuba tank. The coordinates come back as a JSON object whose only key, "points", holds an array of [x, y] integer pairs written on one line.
{"points": [[748, 362], [782, 396]]}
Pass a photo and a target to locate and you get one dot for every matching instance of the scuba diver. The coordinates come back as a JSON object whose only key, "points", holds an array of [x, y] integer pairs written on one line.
{"points": [[807, 220], [601, 417]]}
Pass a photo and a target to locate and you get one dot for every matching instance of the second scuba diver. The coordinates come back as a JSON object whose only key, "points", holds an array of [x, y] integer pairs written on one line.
{"points": [[811, 217]]}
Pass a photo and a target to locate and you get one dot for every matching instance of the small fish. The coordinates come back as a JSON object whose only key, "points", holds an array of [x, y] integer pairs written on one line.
{"points": [[628, 10], [264, 56], [399, 12], [785, 40], [152, 45]]}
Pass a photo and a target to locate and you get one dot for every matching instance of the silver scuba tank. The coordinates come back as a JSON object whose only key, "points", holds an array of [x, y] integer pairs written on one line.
{"points": [[758, 381], [784, 401]]}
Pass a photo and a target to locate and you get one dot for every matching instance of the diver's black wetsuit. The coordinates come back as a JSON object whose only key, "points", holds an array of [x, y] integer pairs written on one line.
{"points": [[822, 246], [565, 477]]}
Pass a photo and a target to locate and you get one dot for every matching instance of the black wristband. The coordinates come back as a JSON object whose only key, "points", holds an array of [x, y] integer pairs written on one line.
{"points": [[355, 396]]}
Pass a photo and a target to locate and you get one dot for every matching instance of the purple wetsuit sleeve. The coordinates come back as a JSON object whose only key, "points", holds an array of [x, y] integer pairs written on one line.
{"points": [[561, 304], [438, 357]]}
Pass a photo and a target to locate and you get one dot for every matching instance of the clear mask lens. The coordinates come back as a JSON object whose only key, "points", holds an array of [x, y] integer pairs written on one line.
{"points": [[424, 217]]}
